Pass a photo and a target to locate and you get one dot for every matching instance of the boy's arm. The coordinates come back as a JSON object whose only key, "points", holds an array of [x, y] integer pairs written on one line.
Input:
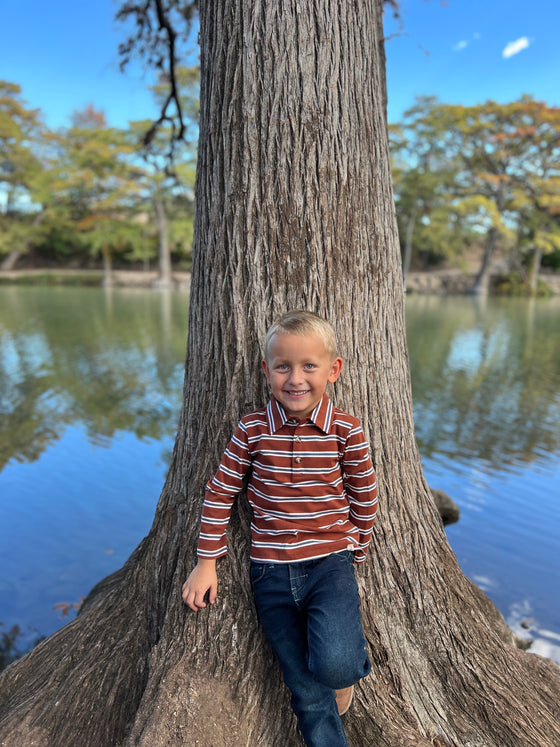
{"points": [[220, 495], [361, 488], [203, 578]]}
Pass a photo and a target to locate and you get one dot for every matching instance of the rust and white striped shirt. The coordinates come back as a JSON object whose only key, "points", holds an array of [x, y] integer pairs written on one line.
{"points": [[312, 486]]}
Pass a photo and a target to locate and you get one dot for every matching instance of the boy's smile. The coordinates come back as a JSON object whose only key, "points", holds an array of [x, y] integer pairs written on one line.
{"points": [[298, 369]]}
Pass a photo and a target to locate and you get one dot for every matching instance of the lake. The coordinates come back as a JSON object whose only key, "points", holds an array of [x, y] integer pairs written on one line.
{"points": [[90, 393]]}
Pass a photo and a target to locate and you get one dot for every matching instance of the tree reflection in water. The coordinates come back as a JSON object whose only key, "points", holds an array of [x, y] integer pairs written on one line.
{"points": [[485, 378], [109, 361], [86, 368]]}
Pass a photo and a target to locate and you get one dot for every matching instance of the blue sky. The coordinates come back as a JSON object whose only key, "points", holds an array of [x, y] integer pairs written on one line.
{"points": [[63, 53], [469, 51]]}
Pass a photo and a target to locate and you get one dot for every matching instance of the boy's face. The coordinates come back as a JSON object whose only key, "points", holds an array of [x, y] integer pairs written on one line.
{"points": [[298, 368]]}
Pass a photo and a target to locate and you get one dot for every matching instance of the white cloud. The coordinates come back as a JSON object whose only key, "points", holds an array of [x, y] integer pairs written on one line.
{"points": [[514, 47], [463, 44]]}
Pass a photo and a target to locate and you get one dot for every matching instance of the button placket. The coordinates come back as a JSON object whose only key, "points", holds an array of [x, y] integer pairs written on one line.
{"points": [[296, 441]]}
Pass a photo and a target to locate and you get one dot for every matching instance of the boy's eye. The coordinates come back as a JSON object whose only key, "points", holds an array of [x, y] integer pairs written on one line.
{"points": [[309, 366], [282, 366]]}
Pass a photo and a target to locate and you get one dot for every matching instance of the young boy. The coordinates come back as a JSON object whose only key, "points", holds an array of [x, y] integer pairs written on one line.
{"points": [[314, 499]]}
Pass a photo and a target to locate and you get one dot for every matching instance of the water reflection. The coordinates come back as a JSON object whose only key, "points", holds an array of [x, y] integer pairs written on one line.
{"points": [[485, 378], [111, 362], [90, 393]]}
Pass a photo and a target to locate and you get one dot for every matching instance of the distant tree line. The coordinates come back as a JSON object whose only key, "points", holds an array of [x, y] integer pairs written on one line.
{"points": [[475, 180], [91, 192], [469, 182]]}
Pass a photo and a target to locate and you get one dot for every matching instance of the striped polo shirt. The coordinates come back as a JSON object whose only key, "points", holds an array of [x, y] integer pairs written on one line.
{"points": [[312, 486]]}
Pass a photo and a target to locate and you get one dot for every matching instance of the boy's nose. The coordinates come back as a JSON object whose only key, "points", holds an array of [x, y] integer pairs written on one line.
{"points": [[296, 376]]}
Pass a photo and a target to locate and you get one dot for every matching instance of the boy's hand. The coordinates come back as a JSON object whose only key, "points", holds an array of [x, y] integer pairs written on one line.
{"points": [[203, 578]]}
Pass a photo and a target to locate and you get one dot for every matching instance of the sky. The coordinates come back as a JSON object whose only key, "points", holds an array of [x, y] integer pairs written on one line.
{"points": [[471, 51], [64, 55]]}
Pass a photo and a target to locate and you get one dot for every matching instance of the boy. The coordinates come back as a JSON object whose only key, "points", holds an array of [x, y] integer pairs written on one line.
{"points": [[314, 499]]}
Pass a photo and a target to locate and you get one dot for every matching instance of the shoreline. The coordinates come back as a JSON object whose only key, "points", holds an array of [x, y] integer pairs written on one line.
{"points": [[434, 282], [180, 279]]}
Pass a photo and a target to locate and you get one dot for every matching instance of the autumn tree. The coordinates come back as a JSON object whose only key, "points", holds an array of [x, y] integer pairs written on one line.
{"points": [[167, 182], [20, 167], [424, 180], [93, 184], [507, 149], [293, 209], [497, 174], [537, 193]]}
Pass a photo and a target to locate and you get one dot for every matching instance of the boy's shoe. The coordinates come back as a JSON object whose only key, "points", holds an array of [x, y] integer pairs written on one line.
{"points": [[344, 699]]}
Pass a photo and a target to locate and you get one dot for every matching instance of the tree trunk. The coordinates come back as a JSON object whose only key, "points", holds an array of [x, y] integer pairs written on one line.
{"points": [[294, 209], [534, 270], [482, 280], [411, 222], [11, 260], [107, 267], [164, 255]]}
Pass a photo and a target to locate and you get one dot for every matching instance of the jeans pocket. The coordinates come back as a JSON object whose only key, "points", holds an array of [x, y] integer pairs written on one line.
{"points": [[346, 556], [258, 571]]}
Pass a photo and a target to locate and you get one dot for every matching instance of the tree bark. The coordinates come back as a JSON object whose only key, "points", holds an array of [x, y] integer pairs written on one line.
{"points": [[293, 209]]}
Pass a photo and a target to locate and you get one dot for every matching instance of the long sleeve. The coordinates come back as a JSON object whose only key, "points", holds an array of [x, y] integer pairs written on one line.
{"points": [[220, 495], [361, 488]]}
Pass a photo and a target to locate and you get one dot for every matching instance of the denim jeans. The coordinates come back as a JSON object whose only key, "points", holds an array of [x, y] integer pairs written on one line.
{"points": [[310, 612]]}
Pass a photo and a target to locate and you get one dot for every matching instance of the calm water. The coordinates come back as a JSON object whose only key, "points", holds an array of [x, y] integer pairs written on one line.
{"points": [[90, 391]]}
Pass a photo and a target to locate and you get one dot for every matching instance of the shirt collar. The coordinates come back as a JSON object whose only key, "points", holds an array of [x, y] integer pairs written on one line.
{"points": [[321, 415]]}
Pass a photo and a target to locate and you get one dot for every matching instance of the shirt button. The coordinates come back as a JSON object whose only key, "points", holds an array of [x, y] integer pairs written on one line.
{"points": [[298, 460], [298, 439]]}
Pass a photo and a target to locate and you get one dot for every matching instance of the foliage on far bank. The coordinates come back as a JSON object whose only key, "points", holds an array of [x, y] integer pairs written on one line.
{"points": [[478, 181], [90, 193], [469, 182], [515, 284]]}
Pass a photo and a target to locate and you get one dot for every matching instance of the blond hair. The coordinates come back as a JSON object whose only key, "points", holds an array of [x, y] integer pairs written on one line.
{"points": [[300, 322]]}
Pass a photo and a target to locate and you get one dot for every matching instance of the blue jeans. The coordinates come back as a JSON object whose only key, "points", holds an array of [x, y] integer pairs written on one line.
{"points": [[310, 612]]}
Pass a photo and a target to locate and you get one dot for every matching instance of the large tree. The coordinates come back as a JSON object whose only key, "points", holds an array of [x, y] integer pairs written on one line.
{"points": [[95, 186], [168, 178], [21, 132], [293, 208]]}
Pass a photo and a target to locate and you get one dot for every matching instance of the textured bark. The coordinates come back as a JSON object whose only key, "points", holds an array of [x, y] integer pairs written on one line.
{"points": [[293, 209]]}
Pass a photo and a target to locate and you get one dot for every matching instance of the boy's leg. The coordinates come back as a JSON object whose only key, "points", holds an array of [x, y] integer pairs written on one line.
{"points": [[337, 648], [285, 626]]}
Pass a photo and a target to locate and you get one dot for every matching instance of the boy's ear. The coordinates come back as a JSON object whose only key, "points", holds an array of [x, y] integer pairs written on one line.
{"points": [[266, 371], [336, 368]]}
